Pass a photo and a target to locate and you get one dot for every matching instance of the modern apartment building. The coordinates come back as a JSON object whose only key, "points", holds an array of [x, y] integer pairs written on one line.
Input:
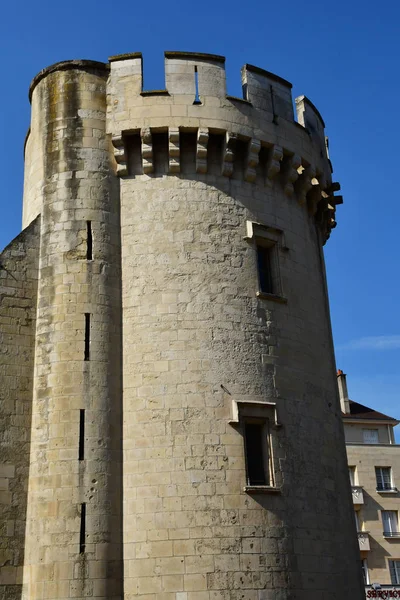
{"points": [[374, 469]]}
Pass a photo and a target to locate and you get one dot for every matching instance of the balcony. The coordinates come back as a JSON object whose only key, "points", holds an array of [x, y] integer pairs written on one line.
{"points": [[391, 534], [363, 540], [357, 493]]}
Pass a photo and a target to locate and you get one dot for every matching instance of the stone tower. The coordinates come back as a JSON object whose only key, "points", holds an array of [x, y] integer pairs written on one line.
{"points": [[171, 424]]}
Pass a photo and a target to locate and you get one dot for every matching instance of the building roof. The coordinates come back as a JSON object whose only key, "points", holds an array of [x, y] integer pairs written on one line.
{"points": [[359, 411]]}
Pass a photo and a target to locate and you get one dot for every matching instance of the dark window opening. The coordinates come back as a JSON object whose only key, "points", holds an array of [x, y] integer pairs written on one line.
{"points": [[196, 85], [81, 453], [264, 264], [261, 168], [87, 336], [256, 454], [245, 92], [160, 152], [89, 247], [240, 156], [188, 148], [82, 532], [214, 153], [134, 152]]}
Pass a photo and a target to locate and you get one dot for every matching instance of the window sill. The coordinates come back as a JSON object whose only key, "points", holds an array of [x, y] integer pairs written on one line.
{"points": [[391, 491], [273, 297], [391, 535], [261, 489]]}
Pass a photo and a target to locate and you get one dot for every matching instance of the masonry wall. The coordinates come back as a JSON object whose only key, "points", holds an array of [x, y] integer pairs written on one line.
{"points": [[18, 296], [164, 325], [365, 458]]}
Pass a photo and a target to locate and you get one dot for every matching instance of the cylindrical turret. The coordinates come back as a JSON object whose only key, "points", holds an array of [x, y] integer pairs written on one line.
{"points": [[74, 529], [235, 474]]}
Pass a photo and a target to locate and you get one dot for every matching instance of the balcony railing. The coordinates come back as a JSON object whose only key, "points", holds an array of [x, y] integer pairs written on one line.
{"points": [[363, 540], [357, 493], [391, 534]]}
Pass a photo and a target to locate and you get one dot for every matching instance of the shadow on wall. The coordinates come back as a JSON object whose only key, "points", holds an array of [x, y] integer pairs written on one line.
{"points": [[18, 292]]}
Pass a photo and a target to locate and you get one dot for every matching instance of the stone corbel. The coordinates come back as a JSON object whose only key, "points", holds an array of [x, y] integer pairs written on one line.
{"points": [[252, 160], [173, 150], [254, 408], [201, 150], [273, 165], [304, 184], [147, 151], [119, 155], [290, 174], [229, 154]]}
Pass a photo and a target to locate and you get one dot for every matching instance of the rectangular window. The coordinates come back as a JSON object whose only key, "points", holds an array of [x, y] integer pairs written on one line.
{"points": [[365, 574], [370, 436], [352, 476], [390, 523], [257, 453], [394, 568], [383, 478], [357, 520], [264, 264]]}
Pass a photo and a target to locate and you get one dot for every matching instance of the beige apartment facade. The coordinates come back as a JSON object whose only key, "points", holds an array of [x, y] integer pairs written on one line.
{"points": [[374, 470], [170, 416]]}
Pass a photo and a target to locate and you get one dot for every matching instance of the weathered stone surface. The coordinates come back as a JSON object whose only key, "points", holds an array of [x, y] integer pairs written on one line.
{"points": [[179, 335]]}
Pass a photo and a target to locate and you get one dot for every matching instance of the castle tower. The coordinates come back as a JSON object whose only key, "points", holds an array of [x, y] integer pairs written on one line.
{"points": [[186, 440]]}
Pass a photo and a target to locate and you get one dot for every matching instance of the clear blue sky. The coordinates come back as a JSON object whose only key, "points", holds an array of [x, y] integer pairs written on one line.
{"points": [[343, 55]]}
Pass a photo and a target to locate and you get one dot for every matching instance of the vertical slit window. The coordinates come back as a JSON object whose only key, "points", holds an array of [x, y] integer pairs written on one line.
{"points": [[257, 460], [196, 86], [81, 454], [89, 247], [87, 336], [82, 532]]}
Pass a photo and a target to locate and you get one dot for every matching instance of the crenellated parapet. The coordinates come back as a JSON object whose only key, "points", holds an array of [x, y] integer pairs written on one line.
{"points": [[260, 140], [259, 131]]}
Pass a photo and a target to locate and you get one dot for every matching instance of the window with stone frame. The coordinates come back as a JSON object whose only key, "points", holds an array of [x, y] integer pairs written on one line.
{"points": [[258, 423], [383, 478], [268, 241], [394, 569], [390, 522]]}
